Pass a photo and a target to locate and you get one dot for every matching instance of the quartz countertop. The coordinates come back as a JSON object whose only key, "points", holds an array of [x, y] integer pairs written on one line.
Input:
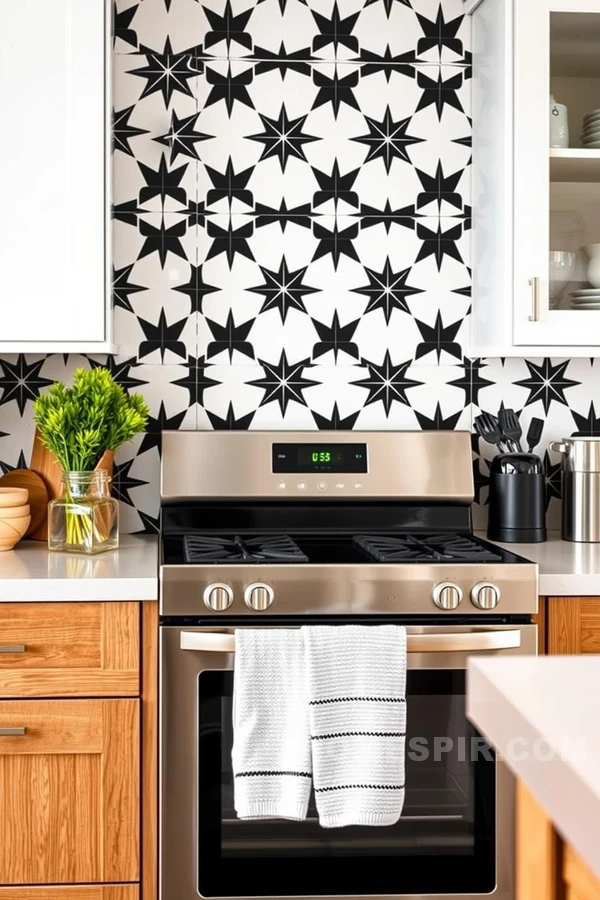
{"points": [[543, 715], [566, 569], [31, 573]]}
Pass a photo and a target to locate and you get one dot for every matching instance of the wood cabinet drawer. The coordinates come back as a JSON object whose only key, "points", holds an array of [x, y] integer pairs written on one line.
{"points": [[69, 649], [77, 892], [69, 783]]}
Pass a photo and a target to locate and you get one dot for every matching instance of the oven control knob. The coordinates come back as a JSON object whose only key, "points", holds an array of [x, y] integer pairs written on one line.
{"points": [[447, 595], [258, 597], [485, 595], [218, 597]]}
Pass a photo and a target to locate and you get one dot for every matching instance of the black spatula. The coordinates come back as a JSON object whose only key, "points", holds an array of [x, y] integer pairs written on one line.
{"points": [[489, 429], [534, 434], [511, 427]]}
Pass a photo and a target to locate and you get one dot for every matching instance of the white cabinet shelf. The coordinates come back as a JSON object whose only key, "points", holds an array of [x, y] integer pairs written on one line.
{"points": [[576, 165]]}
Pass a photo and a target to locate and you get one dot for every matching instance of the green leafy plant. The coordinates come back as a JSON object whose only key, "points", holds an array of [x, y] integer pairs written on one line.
{"points": [[79, 423]]}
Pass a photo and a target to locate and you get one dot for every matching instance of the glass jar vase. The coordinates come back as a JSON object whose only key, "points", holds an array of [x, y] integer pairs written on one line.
{"points": [[85, 519]]}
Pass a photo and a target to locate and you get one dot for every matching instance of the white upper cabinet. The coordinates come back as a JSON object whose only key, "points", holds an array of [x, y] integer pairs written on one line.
{"points": [[53, 175], [536, 271]]}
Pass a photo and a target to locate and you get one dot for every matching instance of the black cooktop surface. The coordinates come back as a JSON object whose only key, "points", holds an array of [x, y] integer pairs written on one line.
{"points": [[297, 549]]}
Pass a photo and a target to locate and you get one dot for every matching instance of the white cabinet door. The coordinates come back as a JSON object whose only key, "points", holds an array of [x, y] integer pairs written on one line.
{"points": [[552, 38], [53, 234]]}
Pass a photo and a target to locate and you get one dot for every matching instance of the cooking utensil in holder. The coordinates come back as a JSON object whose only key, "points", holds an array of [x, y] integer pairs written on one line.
{"points": [[517, 512]]}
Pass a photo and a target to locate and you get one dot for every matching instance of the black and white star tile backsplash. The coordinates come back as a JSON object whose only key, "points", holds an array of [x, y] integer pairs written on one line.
{"points": [[291, 228]]}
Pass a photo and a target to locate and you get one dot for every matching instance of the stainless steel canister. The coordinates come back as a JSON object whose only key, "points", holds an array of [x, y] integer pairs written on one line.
{"points": [[580, 488]]}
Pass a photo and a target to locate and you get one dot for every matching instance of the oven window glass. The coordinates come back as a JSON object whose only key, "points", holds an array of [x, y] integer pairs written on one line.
{"points": [[444, 842]]}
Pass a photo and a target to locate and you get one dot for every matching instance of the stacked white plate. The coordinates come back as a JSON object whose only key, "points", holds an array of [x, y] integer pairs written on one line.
{"points": [[591, 130], [587, 298]]}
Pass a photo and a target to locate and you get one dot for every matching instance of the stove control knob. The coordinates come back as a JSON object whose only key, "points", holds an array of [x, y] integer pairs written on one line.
{"points": [[258, 597], [485, 595], [447, 595], [218, 597]]}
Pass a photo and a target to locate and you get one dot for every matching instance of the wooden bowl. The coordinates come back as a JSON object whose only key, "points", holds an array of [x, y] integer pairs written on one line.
{"points": [[12, 530], [15, 512], [13, 497]]}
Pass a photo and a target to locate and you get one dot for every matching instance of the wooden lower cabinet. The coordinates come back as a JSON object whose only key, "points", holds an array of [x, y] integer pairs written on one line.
{"points": [[547, 868], [573, 625], [76, 892], [70, 797], [579, 882], [69, 649]]}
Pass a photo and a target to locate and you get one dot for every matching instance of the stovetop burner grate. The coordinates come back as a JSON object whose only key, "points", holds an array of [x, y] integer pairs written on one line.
{"points": [[215, 549], [272, 548], [431, 547]]}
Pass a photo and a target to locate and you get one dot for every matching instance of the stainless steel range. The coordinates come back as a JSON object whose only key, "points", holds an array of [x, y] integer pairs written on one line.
{"points": [[281, 529]]}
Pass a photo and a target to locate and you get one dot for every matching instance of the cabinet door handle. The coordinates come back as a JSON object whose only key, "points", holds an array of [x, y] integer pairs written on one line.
{"points": [[19, 731], [534, 284], [12, 648]]}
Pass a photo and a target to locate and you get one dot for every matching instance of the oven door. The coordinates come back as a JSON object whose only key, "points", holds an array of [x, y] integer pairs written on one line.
{"points": [[455, 836]]}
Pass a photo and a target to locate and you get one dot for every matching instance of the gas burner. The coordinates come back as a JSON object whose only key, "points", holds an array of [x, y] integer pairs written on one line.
{"points": [[201, 548], [427, 548], [461, 548]]}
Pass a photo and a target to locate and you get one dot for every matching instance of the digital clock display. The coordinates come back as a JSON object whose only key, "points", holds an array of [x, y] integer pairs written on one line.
{"points": [[319, 457]]}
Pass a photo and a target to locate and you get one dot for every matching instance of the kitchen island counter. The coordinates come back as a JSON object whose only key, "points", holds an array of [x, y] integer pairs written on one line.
{"points": [[30, 573], [543, 715]]}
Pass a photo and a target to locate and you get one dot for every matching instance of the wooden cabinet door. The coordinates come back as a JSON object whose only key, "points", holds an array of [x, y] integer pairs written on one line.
{"points": [[573, 625], [580, 883], [75, 892], [69, 785], [69, 649]]}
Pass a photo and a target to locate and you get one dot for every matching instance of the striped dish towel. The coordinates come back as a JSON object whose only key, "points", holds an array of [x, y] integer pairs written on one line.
{"points": [[357, 717], [271, 746]]}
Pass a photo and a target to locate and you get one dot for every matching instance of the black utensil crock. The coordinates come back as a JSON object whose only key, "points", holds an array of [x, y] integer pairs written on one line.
{"points": [[517, 507]]}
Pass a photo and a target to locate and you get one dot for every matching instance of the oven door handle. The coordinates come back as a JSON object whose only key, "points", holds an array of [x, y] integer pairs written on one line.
{"points": [[464, 642]]}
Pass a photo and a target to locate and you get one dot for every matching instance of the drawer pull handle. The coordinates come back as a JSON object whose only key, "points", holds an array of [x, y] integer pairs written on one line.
{"points": [[12, 648], [13, 732]]}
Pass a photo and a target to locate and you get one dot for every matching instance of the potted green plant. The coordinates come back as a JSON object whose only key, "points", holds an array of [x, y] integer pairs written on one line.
{"points": [[78, 424]]}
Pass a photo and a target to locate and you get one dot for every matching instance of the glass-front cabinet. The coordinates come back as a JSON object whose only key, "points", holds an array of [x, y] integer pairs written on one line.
{"points": [[536, 167]]}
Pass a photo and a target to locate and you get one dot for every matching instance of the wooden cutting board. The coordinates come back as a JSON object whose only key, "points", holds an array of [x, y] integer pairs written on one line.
{"points": [[38, 494]]}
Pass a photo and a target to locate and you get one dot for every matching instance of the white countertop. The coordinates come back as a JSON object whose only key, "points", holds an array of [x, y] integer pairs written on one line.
{"points": [[566, 569], [31, 573], [555, 701]]}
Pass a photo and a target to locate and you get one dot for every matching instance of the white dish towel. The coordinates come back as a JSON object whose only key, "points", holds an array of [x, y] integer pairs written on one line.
{"points": [[357, 716], [271, 744]]}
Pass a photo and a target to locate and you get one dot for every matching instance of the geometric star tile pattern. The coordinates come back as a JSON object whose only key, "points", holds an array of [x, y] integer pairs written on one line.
{"points": [[291, 234]]}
